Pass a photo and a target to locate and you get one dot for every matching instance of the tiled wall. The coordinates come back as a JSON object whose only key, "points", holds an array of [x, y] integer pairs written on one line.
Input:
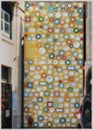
{"points": [[53, 63]]}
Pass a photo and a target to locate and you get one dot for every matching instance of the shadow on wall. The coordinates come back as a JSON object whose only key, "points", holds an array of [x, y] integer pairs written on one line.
{"points": [[86, 112]]}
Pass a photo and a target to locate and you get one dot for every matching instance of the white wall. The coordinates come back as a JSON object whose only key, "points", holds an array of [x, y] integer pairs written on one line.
{"points": [[8, 53], [9, 56], [6, 57]]}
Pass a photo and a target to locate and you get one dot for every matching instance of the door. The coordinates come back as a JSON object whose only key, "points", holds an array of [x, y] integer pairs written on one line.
{"points": [[6, 104], [53, 63]]}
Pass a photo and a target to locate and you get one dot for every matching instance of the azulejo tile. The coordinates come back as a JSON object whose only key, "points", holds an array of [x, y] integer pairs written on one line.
{"points": [[51, 56], [40, 99], [46, 109], [62, 120], [38, 36], [35, 124], [61, 85], [30, 85], [50, 104], [46, 93], [27, 4], [59, 110], [49, 79]]}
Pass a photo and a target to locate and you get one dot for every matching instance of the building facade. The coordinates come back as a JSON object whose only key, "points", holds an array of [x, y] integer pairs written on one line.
{"points": [[12, 20], [11, 55]]}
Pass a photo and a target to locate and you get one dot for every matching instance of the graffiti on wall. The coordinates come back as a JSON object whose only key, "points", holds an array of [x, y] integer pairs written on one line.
{"points": [[53, 63]]}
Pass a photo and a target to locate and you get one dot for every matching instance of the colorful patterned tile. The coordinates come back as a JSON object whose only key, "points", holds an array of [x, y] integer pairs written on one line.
{"points": [[53, 63]]}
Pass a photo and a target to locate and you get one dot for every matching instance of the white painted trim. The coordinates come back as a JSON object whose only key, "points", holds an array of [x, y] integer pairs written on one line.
{"points": [[7, 40], [5, 22]]}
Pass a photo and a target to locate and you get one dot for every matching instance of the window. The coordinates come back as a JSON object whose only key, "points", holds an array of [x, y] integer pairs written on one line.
{"points": [[6, 74], [5, 23], [6, 18]]}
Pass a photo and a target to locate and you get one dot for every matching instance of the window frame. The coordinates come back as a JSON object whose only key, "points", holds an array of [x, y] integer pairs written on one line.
{"points": [[6, 74], [3, 22]]}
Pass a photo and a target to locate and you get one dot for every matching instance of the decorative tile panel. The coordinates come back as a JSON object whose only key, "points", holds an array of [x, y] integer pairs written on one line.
{"points": [[53, 63]]}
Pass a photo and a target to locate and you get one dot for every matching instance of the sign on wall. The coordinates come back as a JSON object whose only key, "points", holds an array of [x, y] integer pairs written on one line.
{"points": [[53, 63]]}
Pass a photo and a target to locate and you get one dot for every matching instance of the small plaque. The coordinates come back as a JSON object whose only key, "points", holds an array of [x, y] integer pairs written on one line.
{"points": [[50, 104], [59, 109], [43, 83], [56, 93]]}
